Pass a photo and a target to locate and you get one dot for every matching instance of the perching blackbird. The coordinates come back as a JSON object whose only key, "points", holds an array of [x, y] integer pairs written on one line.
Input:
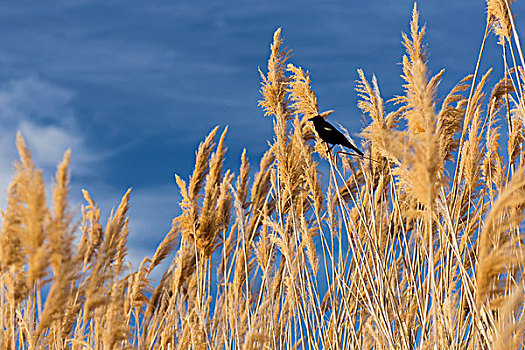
{"points": [[329, 134]]}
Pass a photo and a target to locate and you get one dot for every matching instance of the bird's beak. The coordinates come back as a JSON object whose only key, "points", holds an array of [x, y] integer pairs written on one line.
{"points": [[311, 119]]}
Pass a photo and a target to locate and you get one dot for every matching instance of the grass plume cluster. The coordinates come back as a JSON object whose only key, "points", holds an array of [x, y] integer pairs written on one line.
{"points": [[420, 248]]}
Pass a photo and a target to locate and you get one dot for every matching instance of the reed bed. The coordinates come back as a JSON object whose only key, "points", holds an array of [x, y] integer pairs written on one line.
{"points": [[420, 248]]}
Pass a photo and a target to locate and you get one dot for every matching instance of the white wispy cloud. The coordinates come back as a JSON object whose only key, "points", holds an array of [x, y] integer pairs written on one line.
{"points": [[48, 142], [42, 113], [32, 98]]}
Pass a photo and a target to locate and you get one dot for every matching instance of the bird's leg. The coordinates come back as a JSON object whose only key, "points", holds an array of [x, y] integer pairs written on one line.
{"points": [[330, 149]]}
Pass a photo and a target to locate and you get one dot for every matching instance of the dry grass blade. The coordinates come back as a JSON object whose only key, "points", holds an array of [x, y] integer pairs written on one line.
{"points": [[498, 16], [273, 85]]}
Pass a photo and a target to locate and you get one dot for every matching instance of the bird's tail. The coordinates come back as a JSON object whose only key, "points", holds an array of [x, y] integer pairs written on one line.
{"points": [[353, 148]]}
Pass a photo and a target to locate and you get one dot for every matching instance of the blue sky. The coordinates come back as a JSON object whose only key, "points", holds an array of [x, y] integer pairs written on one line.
{"points": [[133, 87]]}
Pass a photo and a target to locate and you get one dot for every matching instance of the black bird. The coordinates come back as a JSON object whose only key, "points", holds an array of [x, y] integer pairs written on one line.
{"points": [[329, 134]]}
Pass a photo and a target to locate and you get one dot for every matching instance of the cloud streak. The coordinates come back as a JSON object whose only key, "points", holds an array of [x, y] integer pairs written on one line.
{"points": [[43, 114]]}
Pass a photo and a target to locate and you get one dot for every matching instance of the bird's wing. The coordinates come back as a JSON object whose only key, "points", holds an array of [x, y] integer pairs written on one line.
{"points": [[328, 127], [351, 144], [347, 136]]}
